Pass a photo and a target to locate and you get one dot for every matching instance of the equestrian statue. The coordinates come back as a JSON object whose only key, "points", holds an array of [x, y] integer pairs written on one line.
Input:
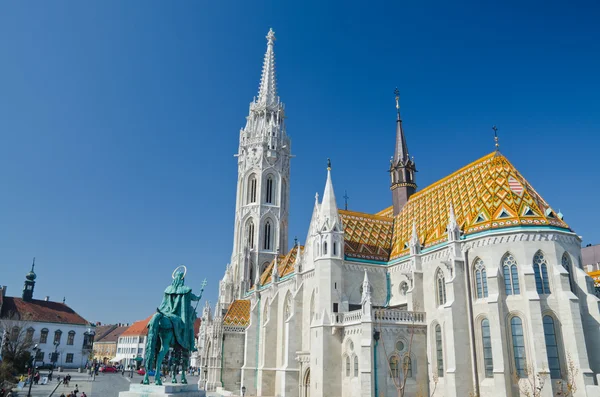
{"points": [[172, 327]]}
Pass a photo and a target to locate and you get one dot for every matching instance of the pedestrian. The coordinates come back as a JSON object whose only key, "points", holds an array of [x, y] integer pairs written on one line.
{"points": [[62, 395]]}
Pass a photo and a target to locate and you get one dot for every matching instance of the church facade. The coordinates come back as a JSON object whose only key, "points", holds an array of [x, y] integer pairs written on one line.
{"points": [[471, 286]]}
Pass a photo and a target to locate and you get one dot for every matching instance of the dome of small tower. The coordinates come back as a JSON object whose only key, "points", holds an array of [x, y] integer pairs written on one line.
{"points": [[31, 276]]}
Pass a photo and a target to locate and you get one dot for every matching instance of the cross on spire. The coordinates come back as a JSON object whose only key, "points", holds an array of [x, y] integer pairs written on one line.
{"points": [[496, 138], [346, 197]]}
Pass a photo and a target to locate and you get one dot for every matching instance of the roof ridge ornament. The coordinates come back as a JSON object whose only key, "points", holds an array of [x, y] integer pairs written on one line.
{"points": [[496, 144]]}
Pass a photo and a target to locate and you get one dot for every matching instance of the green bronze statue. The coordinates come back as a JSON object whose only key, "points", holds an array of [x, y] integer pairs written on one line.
{"points": [[172, 326]]}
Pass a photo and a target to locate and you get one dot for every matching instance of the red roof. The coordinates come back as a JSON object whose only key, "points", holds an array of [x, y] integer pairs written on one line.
{"points": [[113, 335], [197, 326], [138, 328], [102, 331], [40, 311]]}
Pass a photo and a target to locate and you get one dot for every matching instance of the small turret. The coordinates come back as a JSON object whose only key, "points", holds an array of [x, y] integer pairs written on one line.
{"points": [[452, 229], [414, 244], [29, 284], [328, 239]]}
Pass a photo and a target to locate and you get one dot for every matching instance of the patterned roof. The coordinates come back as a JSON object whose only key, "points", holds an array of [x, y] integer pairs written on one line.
{"points": [[238, 313], [40, 311], [285, 265], [595, 275], [367, 236], [486, 194]]}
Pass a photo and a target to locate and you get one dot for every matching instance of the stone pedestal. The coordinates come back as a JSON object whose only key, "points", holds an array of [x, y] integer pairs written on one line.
{"points": [[167, 390]]}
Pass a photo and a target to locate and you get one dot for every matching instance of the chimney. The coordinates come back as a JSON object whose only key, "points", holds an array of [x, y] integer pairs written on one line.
{"points": [[3, 290], [46, 299]]}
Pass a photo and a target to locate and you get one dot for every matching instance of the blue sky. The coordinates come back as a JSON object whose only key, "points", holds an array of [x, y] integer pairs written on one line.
{"points": [[119, 121]]}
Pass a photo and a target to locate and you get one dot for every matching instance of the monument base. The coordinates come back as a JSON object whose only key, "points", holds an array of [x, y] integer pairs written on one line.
{"points": [[167, 390]]}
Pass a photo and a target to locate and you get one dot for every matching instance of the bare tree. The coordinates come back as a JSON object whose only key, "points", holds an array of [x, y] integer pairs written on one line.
{"points": [[17, 338], [567, 387], [532, 384]]}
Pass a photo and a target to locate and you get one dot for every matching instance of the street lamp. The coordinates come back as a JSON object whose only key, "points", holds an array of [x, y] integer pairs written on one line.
{"points": [[54, 359], [243, 391], [35, 351]]}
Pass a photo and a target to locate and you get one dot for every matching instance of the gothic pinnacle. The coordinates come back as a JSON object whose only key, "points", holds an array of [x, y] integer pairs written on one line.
{"points": [[267, 93]]}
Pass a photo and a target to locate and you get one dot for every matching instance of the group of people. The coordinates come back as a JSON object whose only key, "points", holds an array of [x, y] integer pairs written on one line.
{"points": [[74, 393]]}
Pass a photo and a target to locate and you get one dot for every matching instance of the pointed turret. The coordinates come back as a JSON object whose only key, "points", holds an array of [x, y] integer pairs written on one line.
{"points": [[328, 213], [402, 167], [453, 229], [275, 271], [267, 92], [366, 290], [29, 284]]}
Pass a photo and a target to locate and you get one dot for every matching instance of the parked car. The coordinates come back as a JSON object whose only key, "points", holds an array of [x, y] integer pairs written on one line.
{"points": [[142, 371], [108, 369]]}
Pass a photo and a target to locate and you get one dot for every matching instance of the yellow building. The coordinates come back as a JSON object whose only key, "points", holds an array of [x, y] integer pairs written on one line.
{"points": [[105, 347]]}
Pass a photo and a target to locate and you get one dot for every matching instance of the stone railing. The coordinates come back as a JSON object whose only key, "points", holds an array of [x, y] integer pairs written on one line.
{"points": [[346, 318], [399, 316]]}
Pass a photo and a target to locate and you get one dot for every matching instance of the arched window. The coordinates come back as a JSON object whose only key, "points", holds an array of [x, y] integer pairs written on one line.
{"points": [[540, 270], [518, 341], [44, 335], [394, 371], [441, 287], [251, 274], [269, 190], [70, 337], [252, 189], [355, 366], [334, 248], [511, 275], [325, 248], [480, 279], [439, 350], [407, 366], [566, 263], [552, 348], [29, 334], [250, 234], [267, 242], [57, 336], [488, 361], [347, 366]]}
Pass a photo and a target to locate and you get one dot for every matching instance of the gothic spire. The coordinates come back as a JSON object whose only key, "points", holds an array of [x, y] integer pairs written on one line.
{"points": [[401, 152], [329, 208], [267, 93], [402, 167]]}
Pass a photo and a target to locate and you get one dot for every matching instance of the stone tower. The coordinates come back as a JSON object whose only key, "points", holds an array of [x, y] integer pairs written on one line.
{"points": [[262, 201], [402, 167]]}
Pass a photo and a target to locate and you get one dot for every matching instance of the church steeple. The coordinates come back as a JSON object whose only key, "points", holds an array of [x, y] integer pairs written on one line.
{"points": [[29, 284], [262, 205], [402, 167]]}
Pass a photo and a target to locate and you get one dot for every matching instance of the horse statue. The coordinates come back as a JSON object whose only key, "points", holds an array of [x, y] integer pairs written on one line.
{"points": [[172, 326]]}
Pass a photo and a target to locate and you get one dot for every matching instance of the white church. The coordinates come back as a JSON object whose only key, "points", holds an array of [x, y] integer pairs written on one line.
{"points": [[470, 286]]}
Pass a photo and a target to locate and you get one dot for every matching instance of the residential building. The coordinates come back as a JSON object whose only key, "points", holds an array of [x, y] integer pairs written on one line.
{"points": [[105, 343], [131, 344]]}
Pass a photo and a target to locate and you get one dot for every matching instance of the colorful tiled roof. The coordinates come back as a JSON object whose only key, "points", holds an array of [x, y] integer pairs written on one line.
{"points": [[285, 265], [238, 314], [595, 275], [486, 194], [40, 311], [367, 236], [138, 328]]}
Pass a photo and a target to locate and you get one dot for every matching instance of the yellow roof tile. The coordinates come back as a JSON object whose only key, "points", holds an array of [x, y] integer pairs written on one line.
{"points": [[238, 313], [487, 194], [285, 265]]}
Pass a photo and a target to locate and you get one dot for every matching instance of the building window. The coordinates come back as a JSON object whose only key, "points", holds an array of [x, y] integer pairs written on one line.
{"points": [[480, 279], [407, 366], [70, 337], [334, 249], [250, 234], [325, 248], [540, 269], [394, 373], [39, 356], [439, 350], [267, 242], [69, 358], [29, 335], [44, 335], [252, 189], [488, 361], [518, 340], [355, 366], [57, 336], [441, 287], [511, 275], [552, 347], [347, 366], [566, 263], [14, 334], [269, 191]]}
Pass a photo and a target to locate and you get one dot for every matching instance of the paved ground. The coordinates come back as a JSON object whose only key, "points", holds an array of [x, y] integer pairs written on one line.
{"points": [[105, 385]]}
